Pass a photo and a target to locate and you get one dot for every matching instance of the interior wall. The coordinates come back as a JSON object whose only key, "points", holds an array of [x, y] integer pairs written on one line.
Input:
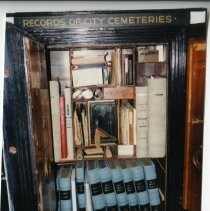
{"points": [[47, 6]]}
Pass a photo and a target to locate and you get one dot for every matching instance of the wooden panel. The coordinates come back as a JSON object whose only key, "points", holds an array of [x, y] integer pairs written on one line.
{"points": [[118, 93], [194, 125], [17, 145], [39, 106]]}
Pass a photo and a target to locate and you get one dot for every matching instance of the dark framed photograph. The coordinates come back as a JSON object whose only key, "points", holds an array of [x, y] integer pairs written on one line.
{"points": [[103, 124]]}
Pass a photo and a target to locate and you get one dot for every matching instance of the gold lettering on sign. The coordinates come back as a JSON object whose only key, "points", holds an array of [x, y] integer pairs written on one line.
{"points": [[25, 23], [124, 20], [86, 21], [78, 21], [144, 19], [111, 20], [97, 21], [101, 20], [161, 19], [168, 19], [71, 21], [43, 22], [131, 20], [151, 19]]}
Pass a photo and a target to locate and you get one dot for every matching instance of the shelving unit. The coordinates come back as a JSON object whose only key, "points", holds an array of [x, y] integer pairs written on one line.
{"points": [[126, 57]]}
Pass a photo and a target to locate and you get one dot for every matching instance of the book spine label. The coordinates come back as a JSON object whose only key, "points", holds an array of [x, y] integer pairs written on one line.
{"points": [[140, 185], [107, 187], [65, 195], [96, 189], [152, 184], [64, 152], [80, 187], [129, 186], [119, 187]]}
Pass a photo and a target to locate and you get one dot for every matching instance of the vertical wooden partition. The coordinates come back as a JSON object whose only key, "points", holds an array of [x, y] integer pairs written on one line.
{"points": [[196, 66]]}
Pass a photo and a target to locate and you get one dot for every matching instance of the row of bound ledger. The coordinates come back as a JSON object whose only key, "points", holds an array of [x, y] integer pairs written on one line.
{"points": [[116, 185]]}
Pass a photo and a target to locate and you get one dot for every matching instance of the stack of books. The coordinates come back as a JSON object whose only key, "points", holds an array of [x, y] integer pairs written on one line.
{"points": [[109, 185]]}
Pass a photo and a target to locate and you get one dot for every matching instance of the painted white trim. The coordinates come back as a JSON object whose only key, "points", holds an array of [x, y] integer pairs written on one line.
{"points": [[197, 17], [47, 6]]}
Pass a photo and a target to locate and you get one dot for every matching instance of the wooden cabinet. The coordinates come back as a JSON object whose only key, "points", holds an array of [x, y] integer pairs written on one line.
{"points": [[194, 125], [31, 61]]}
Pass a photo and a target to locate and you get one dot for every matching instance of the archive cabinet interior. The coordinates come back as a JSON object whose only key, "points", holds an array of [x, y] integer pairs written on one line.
{"points": [[96, 88]]}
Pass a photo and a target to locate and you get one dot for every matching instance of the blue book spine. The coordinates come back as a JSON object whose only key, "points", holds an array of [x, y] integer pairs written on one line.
{"points": [[140, 186], [65, 189], [119, 187], [130, 189], [107, 186], [152, 184], [95, 186], [80, 178]]}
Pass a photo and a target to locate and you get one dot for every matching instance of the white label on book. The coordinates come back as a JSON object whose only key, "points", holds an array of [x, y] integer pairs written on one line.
{"points": [[68, 122], [142, 119]]}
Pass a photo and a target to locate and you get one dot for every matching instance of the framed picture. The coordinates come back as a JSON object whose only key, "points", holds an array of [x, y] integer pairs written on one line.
{"points": [[103, 117]]}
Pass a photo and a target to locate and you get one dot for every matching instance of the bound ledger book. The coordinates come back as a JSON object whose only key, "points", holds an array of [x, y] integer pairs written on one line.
{"points": [[129, 185], [142, 121], [151, 109], [157, 117], [61, 113], [139, 181], [64, 188], [98, 199], [107, 186], [55, 111], [68, 117], [119, 186], [151, 183], [80, 180]]}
